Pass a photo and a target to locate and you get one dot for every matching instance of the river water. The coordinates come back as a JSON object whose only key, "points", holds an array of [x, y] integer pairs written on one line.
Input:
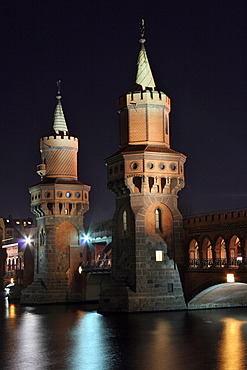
{"points": [[69, 337]]}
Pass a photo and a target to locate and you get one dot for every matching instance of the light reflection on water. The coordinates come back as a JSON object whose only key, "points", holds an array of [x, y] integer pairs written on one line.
{"points": [[66, 337], [232, 345]]}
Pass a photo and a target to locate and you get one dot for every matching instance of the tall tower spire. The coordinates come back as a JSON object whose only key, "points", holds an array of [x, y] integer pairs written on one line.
{"points": [[144, 78], [146, 176], [59, 202], [59, 124]]}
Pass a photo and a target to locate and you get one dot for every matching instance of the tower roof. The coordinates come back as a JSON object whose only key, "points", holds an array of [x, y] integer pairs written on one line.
{"points": [[144, 78], [59, 123]]}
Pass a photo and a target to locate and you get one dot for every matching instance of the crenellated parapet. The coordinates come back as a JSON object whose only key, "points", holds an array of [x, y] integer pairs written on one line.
{"points": [[144, 118], [59, 156]]}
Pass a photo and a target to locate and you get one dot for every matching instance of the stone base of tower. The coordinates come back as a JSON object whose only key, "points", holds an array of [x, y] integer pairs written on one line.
{"points": [[38, 293], [120, 298]]}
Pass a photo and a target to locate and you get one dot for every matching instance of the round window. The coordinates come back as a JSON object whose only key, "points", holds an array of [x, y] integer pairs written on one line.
{"points": [[150, 165], [173, 166], [47, 194], [162, 166], [59, 194], [77, 194], [134, 165], [68, 194]]}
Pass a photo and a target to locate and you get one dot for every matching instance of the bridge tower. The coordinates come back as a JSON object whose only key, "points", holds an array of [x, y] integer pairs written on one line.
{"points": [[59, 202], [145, 175]]}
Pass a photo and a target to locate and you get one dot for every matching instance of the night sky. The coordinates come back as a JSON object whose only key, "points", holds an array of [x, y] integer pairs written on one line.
{"points": [[197, 52]]}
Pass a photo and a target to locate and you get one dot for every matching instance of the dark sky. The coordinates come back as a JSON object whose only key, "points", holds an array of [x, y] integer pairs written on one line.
{"points": [[197, 52]]}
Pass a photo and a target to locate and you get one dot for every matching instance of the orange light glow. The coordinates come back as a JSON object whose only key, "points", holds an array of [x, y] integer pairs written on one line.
{"points": [[230, 278], [12, 280]]}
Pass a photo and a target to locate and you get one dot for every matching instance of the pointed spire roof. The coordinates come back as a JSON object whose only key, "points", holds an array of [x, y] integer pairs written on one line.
{"points": [[59, 123], [144, 78]]}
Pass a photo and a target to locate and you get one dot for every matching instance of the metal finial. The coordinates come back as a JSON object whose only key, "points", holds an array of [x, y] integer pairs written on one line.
{"points": [[59, 87], [142, 28]]}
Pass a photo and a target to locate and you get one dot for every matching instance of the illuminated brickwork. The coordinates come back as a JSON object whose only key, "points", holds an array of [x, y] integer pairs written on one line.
{"points": [[215, 244], [145, 175], [59, 202]]}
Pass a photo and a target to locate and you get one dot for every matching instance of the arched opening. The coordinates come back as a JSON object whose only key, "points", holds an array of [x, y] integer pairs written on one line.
{"points": [[221, 295], [220, 252], [66, 236], [158, 221], [137, 181], [207, 253], [235, 255], [194, 259]]}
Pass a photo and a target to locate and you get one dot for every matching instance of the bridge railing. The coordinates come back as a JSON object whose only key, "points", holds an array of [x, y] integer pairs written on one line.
{"points": [[204, 263], [102, 264]]}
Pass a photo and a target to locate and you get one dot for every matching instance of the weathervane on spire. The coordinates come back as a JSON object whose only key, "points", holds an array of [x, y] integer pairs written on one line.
{"points": [[142, 32], [59, 89], [142, 28]]}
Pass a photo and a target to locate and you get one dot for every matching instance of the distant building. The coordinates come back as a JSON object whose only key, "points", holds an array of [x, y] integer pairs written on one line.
{"points": [[17, 243]]}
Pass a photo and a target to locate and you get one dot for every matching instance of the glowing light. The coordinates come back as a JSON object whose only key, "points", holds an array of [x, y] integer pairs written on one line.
{"points": [[80, 269], [85, 239], [28, 240], [159, 256], [12, 313], [11, 280], [230, 278]]}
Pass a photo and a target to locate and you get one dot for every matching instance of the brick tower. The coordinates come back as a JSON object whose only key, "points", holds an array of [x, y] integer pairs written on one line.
{"points": [[59, 202], [145, 175]]}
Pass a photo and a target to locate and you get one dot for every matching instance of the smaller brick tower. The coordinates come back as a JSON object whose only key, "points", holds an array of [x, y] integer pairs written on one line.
{"points": [[59, 202], [145, 175]]}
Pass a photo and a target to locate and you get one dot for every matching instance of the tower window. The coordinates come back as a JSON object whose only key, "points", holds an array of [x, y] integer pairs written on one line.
{"points": [[162, 166], [124, 222], [159, 256], [173, 166], [166, 125], [158, 224], [134, 166]]}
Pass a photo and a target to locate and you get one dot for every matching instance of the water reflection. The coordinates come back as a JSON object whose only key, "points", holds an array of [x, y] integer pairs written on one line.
{"points": [[90, 344], [67, 337], [232, 345]]}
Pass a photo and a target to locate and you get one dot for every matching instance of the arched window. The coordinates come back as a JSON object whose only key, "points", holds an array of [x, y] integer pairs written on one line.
{"points": [[235, 251], [207, 253], [158, 223], [124, 220], [220, 252], [42, 237], [194, 259]]}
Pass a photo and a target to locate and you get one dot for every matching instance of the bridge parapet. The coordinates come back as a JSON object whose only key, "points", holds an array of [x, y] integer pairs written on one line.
{"points": [[226, 216]]}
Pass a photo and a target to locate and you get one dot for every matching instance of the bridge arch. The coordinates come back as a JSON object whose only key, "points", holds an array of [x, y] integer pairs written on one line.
{"points": [[220, 295]]}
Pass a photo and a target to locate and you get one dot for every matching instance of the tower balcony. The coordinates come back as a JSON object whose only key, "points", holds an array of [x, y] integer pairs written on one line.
{"points": [[41, 169]]}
